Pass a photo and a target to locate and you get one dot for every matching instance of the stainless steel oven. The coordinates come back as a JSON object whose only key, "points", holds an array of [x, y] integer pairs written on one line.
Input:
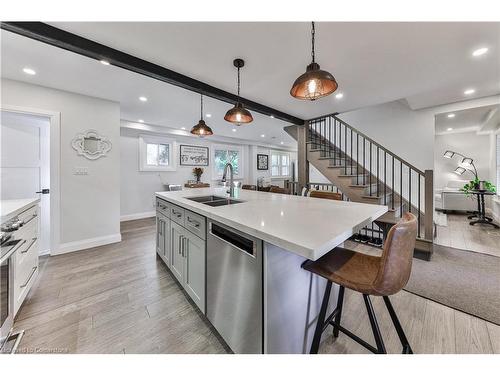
{"points": [[9, 245]]}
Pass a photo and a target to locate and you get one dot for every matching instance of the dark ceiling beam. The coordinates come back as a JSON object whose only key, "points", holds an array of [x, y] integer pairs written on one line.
{"points": [[71, 42]]}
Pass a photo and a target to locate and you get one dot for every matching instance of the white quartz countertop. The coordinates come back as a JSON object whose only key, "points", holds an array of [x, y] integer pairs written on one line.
{"points": [[309, 227], [11, 207]]}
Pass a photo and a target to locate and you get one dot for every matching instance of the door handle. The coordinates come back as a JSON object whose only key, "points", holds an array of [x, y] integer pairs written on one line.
{"points": [[43, 191]]}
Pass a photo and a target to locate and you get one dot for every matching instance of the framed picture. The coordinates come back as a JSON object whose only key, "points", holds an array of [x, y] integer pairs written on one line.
{"points": [[193, 156], [262, 162]]}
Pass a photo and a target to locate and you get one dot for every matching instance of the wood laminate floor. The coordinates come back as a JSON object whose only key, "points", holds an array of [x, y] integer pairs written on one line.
{"points": [[120, 298]]}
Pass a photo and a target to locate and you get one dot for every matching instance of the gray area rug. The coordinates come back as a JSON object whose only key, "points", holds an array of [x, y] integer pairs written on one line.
{"points": [[463, 280]]}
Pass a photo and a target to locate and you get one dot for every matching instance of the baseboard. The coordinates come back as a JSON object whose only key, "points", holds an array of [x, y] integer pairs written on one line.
{"points": [[140, 215], [69, 247]]}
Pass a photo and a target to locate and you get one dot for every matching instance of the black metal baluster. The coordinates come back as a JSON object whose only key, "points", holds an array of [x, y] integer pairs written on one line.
{"points": [[351, 156], [385, 174], [364, 162], [409, 189], [401, 189], [357, 158], [418, 218], [345, 149], [335, 141], [378, 167], [370, 173], [392, 172]]}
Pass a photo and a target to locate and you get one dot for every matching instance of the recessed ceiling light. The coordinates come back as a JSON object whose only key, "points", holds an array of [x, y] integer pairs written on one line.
{"points": [[262, 135], [469, 91], [183, 128], [208, 115], [449, 129], [141, 120], [104, 62], [29, 71], [339, 95], [143, 99], [271, 116], [480, 51], [234, 129], [451, 115], [281, 142]]}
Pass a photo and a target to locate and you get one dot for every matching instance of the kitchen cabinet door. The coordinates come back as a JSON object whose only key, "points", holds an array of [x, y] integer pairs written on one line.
{"points": [[167, 243], [177, 259], [194, 268], [160, 238]]}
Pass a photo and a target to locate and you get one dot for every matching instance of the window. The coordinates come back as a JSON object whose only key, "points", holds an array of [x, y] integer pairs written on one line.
{"points": [[156, 154], [280, 164], [227, 154]]}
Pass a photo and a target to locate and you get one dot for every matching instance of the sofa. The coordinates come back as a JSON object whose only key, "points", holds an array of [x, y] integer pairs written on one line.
{"points": [[450, 198]]}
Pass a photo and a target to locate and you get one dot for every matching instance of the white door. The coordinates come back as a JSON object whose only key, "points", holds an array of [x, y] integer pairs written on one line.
{"points": [[25, 163]]}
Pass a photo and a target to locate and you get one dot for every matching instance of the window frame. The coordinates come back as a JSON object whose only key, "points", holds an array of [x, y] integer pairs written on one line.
{"points": [[226, 147], [280, 164], [497, 157], [152, 139]]}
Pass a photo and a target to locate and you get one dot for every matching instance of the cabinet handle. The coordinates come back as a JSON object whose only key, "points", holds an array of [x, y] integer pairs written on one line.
{"points": [[177, 213], [31, 218], [180, 245], [33, 240], [160, 231], [29, 278], [185, 247], [194, 222]]}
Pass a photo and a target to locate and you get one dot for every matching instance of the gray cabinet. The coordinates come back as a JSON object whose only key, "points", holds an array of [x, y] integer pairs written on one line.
{"points": [[194, 268], [163, 238], [177, 256], [180, 242]]}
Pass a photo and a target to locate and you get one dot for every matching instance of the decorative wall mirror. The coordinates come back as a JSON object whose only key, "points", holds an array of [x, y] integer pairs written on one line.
{"points": [[91, 145]]}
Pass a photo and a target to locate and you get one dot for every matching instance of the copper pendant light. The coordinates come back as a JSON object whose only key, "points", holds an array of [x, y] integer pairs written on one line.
{"points": [[238, 114], [201, 129], [314, 83]]}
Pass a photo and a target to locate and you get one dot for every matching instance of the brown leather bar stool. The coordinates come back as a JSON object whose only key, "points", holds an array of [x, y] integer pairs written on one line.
{"points": [[325, 195], [249, 187], [371, 276]]}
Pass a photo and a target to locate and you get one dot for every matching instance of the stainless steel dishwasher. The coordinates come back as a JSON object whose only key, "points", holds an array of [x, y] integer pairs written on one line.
{"points": [[234, 287]]}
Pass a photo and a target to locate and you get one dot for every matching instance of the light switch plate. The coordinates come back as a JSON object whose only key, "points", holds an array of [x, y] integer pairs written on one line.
{"points": [[80, 171]]}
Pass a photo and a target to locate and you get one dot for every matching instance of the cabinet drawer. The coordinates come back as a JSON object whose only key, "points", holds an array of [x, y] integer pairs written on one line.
{"points": [[177, 214], [29, 215], [195, 223], [163, 207]]}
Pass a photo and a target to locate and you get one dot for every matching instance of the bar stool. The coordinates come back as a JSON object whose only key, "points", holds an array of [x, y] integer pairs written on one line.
{"points": [[369, 275], [279, 190]]}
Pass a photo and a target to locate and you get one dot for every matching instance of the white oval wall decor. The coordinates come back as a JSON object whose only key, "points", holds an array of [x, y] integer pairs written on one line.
{"points": [[91, 145]]}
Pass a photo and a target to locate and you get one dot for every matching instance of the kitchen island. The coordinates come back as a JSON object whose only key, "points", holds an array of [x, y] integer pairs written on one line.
{"points": [[240, 260]]}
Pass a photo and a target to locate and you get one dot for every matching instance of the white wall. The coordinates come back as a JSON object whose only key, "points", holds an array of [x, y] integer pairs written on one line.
{"points": [[495, 205], [90, 205], [138, 188]]}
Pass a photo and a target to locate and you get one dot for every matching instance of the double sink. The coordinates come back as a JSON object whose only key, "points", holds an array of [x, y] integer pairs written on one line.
{"points": [[214, 200]]}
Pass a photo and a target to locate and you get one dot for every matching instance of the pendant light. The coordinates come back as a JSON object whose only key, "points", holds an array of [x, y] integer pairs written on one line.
{"points": [[201, 129], [238, 114], [314, 83]]}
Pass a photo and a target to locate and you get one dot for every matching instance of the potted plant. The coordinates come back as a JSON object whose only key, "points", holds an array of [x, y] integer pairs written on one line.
{"points": [[476, 184], [198, 172]]}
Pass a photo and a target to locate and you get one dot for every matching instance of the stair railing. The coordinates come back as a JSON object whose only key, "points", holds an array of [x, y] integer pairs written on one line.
{"points": [[399, 184]]}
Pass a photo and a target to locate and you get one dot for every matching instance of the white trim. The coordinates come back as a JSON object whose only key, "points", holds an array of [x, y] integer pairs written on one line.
{"points": [[140, 215], [228, 147], [55, 160], [69, 247], [172, 157]]}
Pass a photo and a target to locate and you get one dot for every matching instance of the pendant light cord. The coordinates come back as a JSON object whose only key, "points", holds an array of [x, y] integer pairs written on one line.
{"points": [[201, 107], [238, 84], [313, 31]]}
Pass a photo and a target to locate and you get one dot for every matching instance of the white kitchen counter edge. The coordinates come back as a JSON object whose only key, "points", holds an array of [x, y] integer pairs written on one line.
{"points": [[12, 207], [309, 253]]}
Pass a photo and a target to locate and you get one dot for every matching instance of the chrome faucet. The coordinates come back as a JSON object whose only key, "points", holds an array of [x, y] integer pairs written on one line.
{"points": [[231, 179]]}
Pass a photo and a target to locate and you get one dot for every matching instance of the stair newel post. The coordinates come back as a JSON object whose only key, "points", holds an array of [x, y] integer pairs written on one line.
{"points": [[429, 204], [409, 189], [302, 162], [392, 173], [418, 214]]}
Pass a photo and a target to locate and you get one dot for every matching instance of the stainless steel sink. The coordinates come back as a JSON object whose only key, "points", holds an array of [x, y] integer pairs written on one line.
{"points": [[214, 200]]}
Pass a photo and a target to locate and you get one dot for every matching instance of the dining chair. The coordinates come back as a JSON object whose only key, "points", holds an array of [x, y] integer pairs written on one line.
{"points": [[279, 190], [325, 195]]}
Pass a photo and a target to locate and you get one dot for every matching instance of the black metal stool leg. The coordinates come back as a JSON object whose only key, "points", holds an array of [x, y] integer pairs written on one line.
{"points": [[340, 302], [321, 319], [399, 329], [373, 322]]}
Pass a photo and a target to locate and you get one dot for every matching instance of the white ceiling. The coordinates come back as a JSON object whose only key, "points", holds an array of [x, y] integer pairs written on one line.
{"points": [[471, 119], [425, 63]]}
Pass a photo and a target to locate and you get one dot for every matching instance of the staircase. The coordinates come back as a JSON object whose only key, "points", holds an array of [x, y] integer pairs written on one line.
{"points": [[365, 171]]}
